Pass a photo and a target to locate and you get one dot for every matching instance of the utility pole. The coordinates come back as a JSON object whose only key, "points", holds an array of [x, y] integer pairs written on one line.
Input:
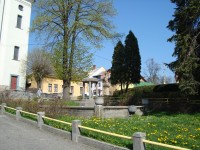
{"points": [[2, 20], [164, 76]]}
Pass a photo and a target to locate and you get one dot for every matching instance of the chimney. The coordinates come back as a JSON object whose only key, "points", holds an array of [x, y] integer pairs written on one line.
{"points": [[94, 67]]}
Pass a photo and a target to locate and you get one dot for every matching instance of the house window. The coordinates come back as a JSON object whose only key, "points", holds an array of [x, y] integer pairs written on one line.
{"points": [[19, 21], [55, 87], [49, 87], [94, 93], [72, 90], [20, 7], [16, 53], [81, 90]]}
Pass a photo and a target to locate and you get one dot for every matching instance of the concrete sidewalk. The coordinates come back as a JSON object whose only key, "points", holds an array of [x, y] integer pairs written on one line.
{"points": [[16, 135]]}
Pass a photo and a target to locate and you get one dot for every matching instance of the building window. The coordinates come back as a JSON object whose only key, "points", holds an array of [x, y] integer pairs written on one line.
{"points": [[55, 87], [94, 93], [20, 7], [19, 21], [72, 90], [16, 53], [49, 87], [81, 90]]}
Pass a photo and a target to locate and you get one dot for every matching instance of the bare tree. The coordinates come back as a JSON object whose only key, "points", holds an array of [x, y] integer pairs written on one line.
{"points": [[166, 79], [152, 71], [38, 65]]}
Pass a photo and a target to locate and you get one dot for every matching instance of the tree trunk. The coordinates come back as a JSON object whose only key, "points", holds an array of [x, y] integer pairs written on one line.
{"points": [[66, 90], [127, 84], [39, 84], [70, 56], [121, 88]]}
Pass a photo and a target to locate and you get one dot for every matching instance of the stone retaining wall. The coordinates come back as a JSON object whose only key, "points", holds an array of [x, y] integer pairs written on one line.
{"points": [[115, 112], [98, 111]]}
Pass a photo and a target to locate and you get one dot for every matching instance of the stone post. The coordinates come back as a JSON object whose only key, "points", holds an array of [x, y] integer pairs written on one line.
{"points": [[97, 90], [98, 111], [40, 120], [99, 108], [90, 90], [18, 114], [2, 108], [83, 91], [75, 130], [137, 141]]}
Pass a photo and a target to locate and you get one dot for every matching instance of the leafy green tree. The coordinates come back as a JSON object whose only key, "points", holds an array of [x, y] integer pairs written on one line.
{"points": [[186, 27], [132, 60], [66, 25], [81, 65], [117, 69]]}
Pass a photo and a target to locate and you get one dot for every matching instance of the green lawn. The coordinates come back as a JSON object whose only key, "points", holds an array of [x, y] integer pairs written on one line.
{"points": [[178, 129]]}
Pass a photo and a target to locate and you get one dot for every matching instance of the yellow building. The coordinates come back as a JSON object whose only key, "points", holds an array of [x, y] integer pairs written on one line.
{"points": [[117, 87], [51, 85]]}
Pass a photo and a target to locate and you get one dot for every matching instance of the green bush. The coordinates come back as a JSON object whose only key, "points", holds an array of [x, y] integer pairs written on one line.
{"points": [[166, 88], [134, 95], [155, 93]]}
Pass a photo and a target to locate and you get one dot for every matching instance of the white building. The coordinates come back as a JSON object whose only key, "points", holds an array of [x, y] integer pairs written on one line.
{"points": [[97, 73], [14, 34]]}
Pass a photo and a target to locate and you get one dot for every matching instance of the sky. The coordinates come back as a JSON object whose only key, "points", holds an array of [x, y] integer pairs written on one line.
{"points": [[148, 20]]}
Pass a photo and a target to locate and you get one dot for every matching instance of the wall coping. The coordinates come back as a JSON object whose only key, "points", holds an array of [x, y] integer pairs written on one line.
{"points": [[115, 107]]}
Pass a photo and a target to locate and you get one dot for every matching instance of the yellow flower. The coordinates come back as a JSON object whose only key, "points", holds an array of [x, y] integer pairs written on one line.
{"points": [[198, 129], [159, 140]]}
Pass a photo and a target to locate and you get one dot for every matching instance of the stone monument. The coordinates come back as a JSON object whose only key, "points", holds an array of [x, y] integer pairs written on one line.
{"points": [[106, 85], [88, 100]]}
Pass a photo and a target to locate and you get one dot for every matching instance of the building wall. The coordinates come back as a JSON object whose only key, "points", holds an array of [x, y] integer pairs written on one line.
{"points": [[99, 88], [51, 81], [51, 85], [78, 86], [142, 82], [97, 73], [11, 36]]}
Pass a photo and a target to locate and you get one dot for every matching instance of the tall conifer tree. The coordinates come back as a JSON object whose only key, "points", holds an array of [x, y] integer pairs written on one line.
{"points": [[117, 69], [133, 60], [186, 25]]}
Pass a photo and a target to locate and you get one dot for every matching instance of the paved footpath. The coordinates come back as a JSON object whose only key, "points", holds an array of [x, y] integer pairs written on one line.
{"points": [[16, 135]]}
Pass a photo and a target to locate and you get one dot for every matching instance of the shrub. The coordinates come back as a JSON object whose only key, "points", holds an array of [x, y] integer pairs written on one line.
{"points": [[157, 93], [5, 96], [134, 95], [166, 88]]}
